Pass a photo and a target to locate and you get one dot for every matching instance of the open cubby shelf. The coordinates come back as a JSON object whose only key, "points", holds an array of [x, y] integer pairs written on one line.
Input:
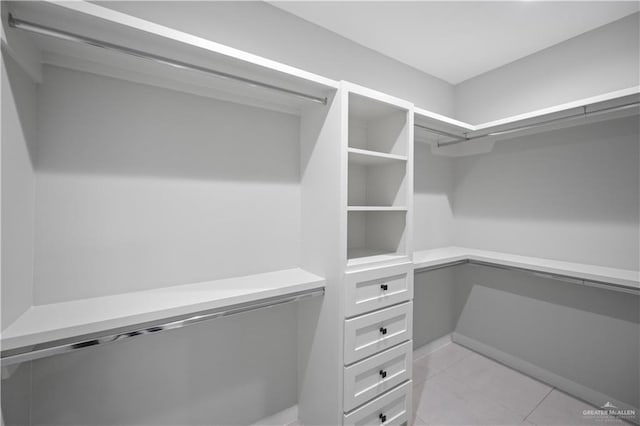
{"points": [[379, 190]]}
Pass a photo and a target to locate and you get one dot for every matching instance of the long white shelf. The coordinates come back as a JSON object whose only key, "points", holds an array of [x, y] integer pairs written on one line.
{"points": [[101, 23], [53, 322], [600, 276], [481, 137]]}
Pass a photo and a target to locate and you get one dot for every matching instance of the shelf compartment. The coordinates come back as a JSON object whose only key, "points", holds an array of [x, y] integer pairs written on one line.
{"points": [[376, 236], [624, 280], [378, 184], [377, 126], [75, 324]]}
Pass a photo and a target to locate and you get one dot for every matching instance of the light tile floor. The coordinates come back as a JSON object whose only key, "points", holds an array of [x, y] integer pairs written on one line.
{"points": [[455, 386]]}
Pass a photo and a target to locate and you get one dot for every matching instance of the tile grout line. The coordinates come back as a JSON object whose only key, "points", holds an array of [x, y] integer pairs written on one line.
{"points": [[538, 404], [471, 353]]}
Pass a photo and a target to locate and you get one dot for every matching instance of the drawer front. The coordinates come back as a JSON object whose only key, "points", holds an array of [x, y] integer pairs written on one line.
{"points": [[392, 408], [367, 379], [371, 333], [378, 288]]}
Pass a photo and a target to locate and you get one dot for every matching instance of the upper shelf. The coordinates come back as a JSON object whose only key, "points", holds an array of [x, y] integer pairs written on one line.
{"points": [[100, 23], [599, 276], [49, 324], [454, 138], [373, 158]]}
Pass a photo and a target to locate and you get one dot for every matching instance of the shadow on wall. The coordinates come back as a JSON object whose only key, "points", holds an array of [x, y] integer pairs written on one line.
{"points": [[433, 199], [229, 371], [584, 334], [90, 124], [16, 78], [585, 173]]}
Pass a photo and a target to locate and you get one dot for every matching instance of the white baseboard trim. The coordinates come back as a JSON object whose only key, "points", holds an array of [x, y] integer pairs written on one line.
{"points": [[570, 387], [432, 346], [282, 418]]}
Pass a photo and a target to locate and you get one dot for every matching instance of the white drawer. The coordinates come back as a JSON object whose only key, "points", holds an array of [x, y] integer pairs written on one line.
{"points": [[371, 333], [369, 378], [378, 288], [392, 408]]}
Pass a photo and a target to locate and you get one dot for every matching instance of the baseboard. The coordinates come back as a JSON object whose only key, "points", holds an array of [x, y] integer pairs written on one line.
{"points": [[282, 418], [570, 387], [432, 346]]}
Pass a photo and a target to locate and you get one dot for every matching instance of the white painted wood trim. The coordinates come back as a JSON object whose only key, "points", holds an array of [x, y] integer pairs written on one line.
{"points": [[282, 418], [378, 96], [377, 154], [377, 208], [442, 256], [559, 108], [139, 24], [568, 386], [420, 112], [44, 323], [432, 346]]}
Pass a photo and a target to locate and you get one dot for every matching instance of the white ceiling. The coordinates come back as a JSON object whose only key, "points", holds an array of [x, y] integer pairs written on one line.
{"points": [[458, 40]]}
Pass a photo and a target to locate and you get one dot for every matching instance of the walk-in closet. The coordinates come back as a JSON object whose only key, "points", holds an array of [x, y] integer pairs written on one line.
{"points": [[320, 213]]}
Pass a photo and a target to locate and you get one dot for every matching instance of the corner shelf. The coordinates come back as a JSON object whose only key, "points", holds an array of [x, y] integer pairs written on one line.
{"points": [[476, 139], [60, 327], [624, 280]]}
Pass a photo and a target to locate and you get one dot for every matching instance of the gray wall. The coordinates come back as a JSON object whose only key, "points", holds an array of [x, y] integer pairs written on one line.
{"points": [[433, 187], [584, 334], [434, 308], [599, 61], [230, 371], [140, 187], [265, 30], [16, 397], [570, 195], [18, 186]]}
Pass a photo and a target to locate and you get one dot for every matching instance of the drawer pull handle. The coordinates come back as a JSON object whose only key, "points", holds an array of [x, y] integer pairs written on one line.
{"points": [[382, 418], [383, 374], [384, 287], [383, 330]]}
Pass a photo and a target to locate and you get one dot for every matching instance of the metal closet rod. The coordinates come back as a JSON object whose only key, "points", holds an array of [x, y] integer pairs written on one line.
{"points": [[540, 274], [57, 347], [465, 138], [65, 35]]}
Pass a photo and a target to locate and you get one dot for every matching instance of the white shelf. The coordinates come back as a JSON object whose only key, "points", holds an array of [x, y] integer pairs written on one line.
{"points": [[595, 275], [377, 208], [46, 323], [94, 21], [367, 256], [483, 136], [372, 158]]}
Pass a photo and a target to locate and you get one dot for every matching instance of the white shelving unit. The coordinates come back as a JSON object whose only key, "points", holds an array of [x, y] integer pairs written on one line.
{"points": [[140, 304], [379, 193]]}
